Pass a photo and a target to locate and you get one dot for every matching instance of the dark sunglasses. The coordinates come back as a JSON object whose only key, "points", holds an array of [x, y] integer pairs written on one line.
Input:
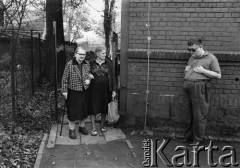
{"points": [[192, 49]]}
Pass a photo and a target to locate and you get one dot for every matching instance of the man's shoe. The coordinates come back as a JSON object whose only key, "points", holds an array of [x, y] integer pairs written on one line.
{"points": [[83, 130], [72, 134], [194, 143]]}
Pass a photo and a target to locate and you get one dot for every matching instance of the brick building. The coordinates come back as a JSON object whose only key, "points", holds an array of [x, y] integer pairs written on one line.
{"points": [[171, 24]]}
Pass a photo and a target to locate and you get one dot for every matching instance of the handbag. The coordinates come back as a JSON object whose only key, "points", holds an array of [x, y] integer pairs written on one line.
{"points": [[113, 115]]}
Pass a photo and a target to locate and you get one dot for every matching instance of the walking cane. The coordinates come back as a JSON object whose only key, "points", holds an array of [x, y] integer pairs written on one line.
{"points": [[65, 104]]}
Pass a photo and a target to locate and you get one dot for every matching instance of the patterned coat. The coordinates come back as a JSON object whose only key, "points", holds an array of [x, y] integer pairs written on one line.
{"points": [[72, 77]]}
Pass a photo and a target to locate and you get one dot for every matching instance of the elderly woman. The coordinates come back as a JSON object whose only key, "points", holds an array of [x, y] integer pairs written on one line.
{"points": [[75, 82], [102, 89]]}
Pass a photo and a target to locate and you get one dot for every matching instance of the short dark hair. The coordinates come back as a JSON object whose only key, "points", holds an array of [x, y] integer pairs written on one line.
{"points": [[196, 41]]}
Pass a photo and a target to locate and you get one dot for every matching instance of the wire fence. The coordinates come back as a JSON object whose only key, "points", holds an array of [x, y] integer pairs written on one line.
{"points": [[26, 66]]}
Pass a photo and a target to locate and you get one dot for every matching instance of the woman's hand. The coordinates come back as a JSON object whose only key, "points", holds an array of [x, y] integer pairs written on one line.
{"points": [[87, 82], [91, 76], [114, 94], [65, 94]]}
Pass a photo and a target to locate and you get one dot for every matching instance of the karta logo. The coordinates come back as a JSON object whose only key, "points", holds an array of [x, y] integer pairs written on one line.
{"points": [[154, 151]]}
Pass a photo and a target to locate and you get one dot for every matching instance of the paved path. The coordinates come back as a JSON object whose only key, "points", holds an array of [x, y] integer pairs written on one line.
{"points": [[118, 149], [63, 139], [107, 151]]}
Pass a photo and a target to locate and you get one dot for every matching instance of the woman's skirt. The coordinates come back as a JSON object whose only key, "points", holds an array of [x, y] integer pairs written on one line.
{"points": [[100, 95], [77, 105]]}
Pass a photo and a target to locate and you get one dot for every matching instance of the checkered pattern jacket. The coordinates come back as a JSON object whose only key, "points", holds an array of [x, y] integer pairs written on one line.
{"points": [[72, 77]]}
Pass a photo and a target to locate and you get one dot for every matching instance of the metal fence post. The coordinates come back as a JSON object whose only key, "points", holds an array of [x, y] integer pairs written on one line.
{"points": [[13, 52], [55, 67], [40, 57], [32, 62]]}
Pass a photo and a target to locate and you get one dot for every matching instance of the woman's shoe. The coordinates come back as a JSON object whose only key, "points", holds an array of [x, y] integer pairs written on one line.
{"points": [[72, 134], [83, 130], [94, 132], [103, 129]]}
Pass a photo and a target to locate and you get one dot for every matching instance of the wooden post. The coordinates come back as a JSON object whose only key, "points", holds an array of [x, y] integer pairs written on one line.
{"points": [[123, 58]]}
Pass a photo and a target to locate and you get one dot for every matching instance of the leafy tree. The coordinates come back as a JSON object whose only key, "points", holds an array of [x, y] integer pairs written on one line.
{"points": [[76, 17], [14, 14], [79, 20], [1, 13]]}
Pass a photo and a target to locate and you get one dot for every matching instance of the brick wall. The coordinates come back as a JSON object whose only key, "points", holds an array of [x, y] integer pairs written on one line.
{"points": [[172, 23]]}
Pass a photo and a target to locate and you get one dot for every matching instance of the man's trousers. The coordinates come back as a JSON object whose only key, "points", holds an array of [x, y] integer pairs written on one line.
{"points": [[196, 99]]}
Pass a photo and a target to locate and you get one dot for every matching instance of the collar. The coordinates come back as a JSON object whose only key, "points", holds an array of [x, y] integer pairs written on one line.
{"points": [[99, 63], [74, 61], [206, 53]]}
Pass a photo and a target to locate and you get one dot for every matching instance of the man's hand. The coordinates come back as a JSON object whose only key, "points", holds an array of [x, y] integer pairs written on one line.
{"points": [[65, 94], [209, 73], [199, 69], [187, 68]]}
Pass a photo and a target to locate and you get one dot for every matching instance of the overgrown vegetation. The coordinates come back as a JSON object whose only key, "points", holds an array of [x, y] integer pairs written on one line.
{"points": [[20, 143]]}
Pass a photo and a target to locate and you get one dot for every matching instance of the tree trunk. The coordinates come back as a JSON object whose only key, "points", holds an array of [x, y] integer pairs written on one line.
{"points": [[108, 19], [54, 13], [1, 14]]}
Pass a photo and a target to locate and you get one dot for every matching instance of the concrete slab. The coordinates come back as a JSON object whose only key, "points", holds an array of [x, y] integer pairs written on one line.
{"points": [[40, 151], [114, 134], [89, 139], [67, 141], [91, 154], [64, 164], [52, 136], [64, 138], [94, 164]]}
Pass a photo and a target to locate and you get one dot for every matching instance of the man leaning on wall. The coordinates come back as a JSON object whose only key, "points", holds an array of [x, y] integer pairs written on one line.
{"points": [[201, 68]]}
